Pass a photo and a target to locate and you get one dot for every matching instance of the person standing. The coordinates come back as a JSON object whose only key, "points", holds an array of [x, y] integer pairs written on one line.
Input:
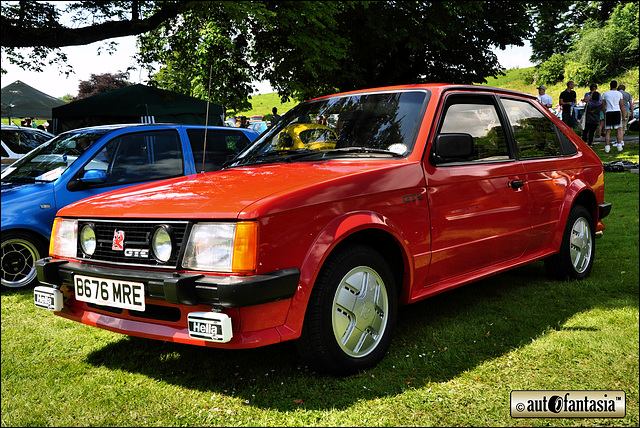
{"points": [[567, 100], [275, 118], [613, 108], [627, 99], [589, 94], [544, 98], [592, 112]]}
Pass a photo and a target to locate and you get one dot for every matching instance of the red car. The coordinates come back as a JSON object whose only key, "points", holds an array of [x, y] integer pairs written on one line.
{"points": [[427, 188]]}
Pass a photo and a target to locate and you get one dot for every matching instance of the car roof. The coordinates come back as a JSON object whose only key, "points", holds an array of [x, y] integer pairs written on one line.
{"points": [[434, 87], [109, 128]]}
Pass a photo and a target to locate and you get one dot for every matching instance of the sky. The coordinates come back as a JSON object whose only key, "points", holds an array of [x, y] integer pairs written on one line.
{"points": [[85, 61]]}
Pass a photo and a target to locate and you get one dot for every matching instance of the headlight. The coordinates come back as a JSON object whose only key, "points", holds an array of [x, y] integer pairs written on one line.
{"points": [[88, 241], [64, 238], [222, 247], [162, 244]]}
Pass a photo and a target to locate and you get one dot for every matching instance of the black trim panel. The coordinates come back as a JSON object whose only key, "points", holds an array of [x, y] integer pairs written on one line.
{"points": [[182, 288], [604, 209]]}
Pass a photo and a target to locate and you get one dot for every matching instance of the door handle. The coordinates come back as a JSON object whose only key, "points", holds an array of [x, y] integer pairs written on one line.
{"points": [[515, 184]]}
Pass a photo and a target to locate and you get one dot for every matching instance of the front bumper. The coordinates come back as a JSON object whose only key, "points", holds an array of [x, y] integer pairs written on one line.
{"points": [[181, 288]]}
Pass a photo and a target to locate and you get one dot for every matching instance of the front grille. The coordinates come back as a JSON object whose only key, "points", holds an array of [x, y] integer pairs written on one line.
{"points": [[136, 244]]}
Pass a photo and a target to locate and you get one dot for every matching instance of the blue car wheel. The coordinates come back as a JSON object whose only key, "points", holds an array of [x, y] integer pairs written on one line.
{"points": [[19, 254]]}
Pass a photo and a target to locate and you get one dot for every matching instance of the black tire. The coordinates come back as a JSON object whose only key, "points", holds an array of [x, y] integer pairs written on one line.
{"points": [[19, 254], [577, 251], [351, 316]]}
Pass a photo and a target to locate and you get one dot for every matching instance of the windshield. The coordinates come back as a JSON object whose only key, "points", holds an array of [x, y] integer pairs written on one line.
{"points": [[363, 126], [22, 141], [50, 160]]}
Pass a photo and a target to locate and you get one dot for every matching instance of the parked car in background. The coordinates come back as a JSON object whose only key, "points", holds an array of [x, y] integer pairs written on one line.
{"points": [[89, 161], [419, 189], [259, 127], [633, 123], [17, 141]]}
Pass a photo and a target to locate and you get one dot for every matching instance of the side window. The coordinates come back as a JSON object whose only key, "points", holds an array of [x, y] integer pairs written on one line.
{"points": [[221, 144], [142, 156], [536, 136], [474, 116]]}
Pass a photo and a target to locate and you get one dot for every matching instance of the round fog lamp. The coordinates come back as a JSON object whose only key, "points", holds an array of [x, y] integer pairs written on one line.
{"points": [[161, 244], [88, 241]]}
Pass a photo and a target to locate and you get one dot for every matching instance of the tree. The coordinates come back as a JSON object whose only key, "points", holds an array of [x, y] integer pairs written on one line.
{"points": [[215, 49], [307, 49], [599, 52], [101, 83], [38, 26], [558, 24]]}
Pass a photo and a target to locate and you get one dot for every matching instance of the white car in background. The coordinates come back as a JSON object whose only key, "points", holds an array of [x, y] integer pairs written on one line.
{"points": [[17, 141]]}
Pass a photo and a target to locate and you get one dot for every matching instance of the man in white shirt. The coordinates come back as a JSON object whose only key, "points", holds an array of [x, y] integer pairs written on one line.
{"points": [[544, 99], [613, 108]]}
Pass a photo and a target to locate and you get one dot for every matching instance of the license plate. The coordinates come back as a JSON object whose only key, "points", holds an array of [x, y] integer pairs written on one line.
{"points": [[110, 292]]}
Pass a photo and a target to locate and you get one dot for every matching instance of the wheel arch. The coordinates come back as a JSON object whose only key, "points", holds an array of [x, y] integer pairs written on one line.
{"points": [[581, 194], [367, 228]]}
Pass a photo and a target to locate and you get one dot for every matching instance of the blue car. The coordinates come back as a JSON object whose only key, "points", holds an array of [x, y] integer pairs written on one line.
{"points": [[84, 162]]}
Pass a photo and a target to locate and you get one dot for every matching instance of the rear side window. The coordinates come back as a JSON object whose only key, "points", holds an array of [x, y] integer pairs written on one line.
{"points": [[477, 116], [221, 146], [536, 136], [142, 156]]}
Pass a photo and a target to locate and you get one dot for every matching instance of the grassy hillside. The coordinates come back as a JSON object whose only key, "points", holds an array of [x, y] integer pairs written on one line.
{"points": [[514, 79]]}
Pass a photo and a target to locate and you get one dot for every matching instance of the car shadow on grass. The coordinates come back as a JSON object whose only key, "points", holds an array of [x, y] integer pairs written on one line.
{"points": [[436, 340]]}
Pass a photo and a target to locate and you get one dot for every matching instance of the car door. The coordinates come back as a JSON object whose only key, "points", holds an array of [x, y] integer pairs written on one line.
{"points": [[541, 147], [479, 203], [124, 160]]}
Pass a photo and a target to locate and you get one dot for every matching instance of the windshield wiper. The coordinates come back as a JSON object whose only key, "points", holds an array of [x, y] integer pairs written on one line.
{"points": [[279, 155], [359, 149]]}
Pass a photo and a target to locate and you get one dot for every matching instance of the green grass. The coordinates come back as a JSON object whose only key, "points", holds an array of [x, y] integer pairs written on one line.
{"points": [[454, 360], [264, 103], [514, 79]]}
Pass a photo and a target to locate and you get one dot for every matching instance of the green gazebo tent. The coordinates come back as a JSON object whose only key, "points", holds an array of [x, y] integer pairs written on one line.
{"points": [[135, 104], [20, 100]]}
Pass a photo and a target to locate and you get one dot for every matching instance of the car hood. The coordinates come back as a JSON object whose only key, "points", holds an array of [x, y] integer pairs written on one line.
{"points": [[249, 192]]}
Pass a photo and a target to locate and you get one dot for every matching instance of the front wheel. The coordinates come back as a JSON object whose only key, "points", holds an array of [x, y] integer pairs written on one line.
{"points": [[351, 315], [19, 255], [576, 255]]}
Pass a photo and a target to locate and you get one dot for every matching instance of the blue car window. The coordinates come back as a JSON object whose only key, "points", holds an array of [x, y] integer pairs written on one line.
{"points": [[142, 156], [221, 144]]}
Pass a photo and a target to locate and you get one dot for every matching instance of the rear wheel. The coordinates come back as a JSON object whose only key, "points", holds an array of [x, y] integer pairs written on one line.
{"points": [[19, 255], [576, 255], [351, 315]]}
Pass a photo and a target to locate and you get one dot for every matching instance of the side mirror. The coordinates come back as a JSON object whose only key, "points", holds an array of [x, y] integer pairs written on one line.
{"points": [[94, 176], [453, 147]]}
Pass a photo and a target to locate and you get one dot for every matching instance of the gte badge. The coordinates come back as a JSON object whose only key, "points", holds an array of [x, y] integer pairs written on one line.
{"points": [[211, 326], [568, 404], [118, 240]]}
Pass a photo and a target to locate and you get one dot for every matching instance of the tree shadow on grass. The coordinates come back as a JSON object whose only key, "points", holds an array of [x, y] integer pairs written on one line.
{"points": [[436, 340]]}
